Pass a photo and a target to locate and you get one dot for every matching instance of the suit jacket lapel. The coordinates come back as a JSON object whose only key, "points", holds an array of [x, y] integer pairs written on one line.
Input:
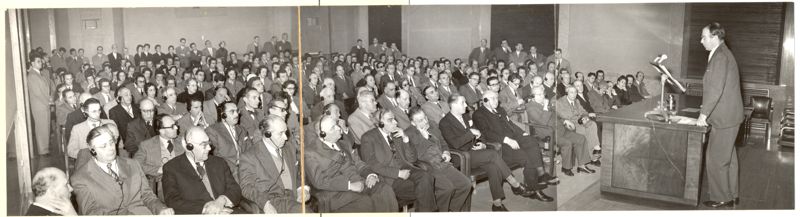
{"points": [[267, 162]]}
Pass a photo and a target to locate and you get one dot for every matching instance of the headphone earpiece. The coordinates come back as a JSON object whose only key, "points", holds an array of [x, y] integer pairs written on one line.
{"points": [[268, 134], [319, 127], [485, 99], [380, 124], [119, 99], [93, 152], [189, 146]]}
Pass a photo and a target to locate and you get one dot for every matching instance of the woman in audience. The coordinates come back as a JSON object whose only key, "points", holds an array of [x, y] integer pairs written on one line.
{"points": [[152, 93], [148, 74], [232, 83], [621, 95], [119, 81], [633, 90], [369, 83], [190, 92]]}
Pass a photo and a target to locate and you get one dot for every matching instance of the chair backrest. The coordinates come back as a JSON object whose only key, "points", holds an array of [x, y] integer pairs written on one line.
{"points": [[761, 105]]}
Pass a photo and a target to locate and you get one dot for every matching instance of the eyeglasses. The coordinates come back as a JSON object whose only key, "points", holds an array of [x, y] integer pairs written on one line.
{"points": [[148, 110], [282, 109], [174, 126]]}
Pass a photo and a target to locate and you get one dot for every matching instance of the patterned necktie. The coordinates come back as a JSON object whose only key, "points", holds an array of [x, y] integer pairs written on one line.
{"points": [[170, 147], [112, 173]]}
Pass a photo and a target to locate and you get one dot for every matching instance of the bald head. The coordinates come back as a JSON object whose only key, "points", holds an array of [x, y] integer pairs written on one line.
{"points": [[84, 96], [328, 124], [51, 183]]}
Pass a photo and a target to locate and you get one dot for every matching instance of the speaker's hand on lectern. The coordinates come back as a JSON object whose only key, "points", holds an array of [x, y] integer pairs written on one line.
{"points": [[701, 121]]}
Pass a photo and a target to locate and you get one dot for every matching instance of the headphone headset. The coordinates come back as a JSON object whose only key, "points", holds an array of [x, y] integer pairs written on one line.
{"points": [[221, 111], [485, 99], [119, 99], [93, 152], [380, 116], [319, 127], [189, 146]]}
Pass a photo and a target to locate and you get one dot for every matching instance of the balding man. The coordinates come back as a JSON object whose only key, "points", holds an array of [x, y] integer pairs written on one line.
{"points": [[387, 99], [362, 119], [518, 148], [326, 97], [344, 182], [268, 171], [216, 193], [576, 118], [140, 128], [125, 111], [51, 193], [171, 106]]}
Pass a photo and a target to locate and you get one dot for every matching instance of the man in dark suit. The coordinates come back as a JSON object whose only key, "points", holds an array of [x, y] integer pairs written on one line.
{"points": [[502, 52], [344, 86], [518, 148], [460, 135], [391, 75], [358, 50], [452, 187], [385, 149], [559, 60], [539, 59], [311, 89], [140, 128], [268, 171], [480, 54], [114, 58], [77, 116], [387, 99], [216, 193], [251, 116], [403, 109], [51, 192], [722, 109], [344, 182], [125, 111], [230, 140]]}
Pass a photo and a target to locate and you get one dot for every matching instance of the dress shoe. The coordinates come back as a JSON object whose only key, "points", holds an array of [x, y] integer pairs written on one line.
{"points": [[597, 151], [736, 201], [547, 179], [522, 190], [585, 169], [567, 172], [595, 163], [501, 208], [539, 195], [716, 204]]}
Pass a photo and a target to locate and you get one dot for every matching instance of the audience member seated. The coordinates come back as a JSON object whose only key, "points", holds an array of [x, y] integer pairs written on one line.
{"points": [[171, 106], [633, 90], [461, 135], [573, 145], [343, 182], [229, 139], [385, 148], [51, 194], [92, 110], [268, 171], [141, 128], [518, 147], [195, 117], [452, 188], [192, 91], [124, 112], [621, 93], [362, 119], [216, 193], [111, 185], [575, 117], [157, 150], [434, 108], [220, 95], [251, 115], [77, 116]]}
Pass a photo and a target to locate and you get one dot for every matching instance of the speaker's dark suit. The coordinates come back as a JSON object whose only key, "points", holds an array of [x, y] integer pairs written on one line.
{"points": [[184, 190], [722, 103], [458, 137], [330, 171], [495, 127], [387, 161]]}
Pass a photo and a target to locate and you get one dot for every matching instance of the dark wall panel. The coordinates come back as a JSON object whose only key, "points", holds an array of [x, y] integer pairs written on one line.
{"points": [[754, 32], [528, 24], [385, 24]]}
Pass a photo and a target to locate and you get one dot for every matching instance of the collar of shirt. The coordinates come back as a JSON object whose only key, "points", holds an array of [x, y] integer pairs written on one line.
{"points": [[273, 150], [331, 145], [104, 167], [194, 164], [385, 135], [710, 54], [164, 142], [366, 114]]}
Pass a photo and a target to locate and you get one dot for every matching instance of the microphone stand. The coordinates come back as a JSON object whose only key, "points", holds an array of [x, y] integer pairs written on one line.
{"points": [[662, 109]]}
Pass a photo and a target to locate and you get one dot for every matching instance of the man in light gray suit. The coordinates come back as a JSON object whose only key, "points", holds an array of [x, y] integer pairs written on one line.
{"points": [[39, 97]]}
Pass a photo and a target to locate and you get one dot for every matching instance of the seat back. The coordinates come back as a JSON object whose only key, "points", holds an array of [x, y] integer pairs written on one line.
{"points": [[761, 106]]}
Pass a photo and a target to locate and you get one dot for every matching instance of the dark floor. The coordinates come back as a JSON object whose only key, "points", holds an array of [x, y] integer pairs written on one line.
{"points": [[766, 181]]}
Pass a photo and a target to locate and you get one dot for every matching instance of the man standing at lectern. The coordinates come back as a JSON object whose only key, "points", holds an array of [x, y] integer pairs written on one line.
{"points": [[722, 109]]}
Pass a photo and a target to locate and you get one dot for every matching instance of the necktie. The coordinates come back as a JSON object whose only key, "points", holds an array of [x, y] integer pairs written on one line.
{"points": [[200, 170], [112, 173], [252, 115], [170, 146], [389, 140], [413, 84]]}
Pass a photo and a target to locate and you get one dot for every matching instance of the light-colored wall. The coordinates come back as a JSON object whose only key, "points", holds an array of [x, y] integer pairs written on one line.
{"points": [[622, 38], [88, 39], [444, 31], [236, 26]]}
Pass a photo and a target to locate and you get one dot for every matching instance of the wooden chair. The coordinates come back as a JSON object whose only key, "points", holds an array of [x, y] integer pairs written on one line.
{"points": [[761, 116]]}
